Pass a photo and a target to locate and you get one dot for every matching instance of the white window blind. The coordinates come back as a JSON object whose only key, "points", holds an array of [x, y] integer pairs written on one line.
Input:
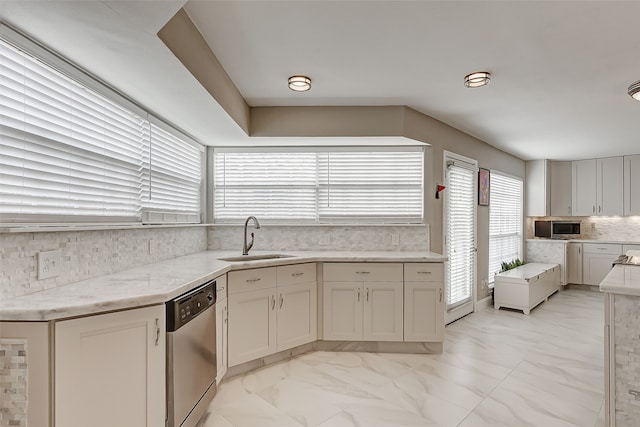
{"points": [[172, 174], [70, 153], [460, 234], [323, 185], [64, 149], [505, 221]]}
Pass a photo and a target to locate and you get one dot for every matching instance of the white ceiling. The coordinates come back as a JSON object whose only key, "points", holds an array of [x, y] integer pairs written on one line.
{"points": [[560, 68]]}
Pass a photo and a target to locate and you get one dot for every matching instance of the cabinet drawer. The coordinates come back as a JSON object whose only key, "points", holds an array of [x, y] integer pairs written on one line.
{"points": [[362, 272], [251, 280], [602, 248], [297, 273], [423, 272]]}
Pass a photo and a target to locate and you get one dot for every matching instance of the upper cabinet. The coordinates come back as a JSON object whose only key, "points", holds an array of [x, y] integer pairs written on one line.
{"points": [[548, 188], [632, 185], [597, 186]]}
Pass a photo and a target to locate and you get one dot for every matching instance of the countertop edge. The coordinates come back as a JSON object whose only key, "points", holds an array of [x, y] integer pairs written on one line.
{"points": [[622, 280]]}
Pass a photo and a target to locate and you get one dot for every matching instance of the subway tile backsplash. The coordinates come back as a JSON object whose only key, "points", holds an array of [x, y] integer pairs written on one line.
{"points": [[87, 254], [323, 238]]}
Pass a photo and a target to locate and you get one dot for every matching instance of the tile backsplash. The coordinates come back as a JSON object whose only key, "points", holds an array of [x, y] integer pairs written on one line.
{"points": [[323, 238], [87, 254], [624, 229]]}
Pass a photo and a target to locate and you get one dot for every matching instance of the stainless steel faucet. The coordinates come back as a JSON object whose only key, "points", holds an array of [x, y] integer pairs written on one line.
{"points": [[247, 247]]}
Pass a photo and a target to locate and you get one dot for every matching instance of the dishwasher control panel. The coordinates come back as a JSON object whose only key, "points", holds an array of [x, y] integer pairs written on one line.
{"points": [[182, 309]]}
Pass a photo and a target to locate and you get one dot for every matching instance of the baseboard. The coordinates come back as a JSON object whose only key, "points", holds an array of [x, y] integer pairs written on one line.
{"points": [[484, 303]]}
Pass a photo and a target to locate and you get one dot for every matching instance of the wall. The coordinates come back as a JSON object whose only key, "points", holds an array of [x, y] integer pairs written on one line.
{"points": [[618, 229], [87, 254], [341, 238]]}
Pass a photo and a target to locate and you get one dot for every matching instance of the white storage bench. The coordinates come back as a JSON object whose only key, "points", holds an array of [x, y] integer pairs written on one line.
{"points": [[526, 286]]}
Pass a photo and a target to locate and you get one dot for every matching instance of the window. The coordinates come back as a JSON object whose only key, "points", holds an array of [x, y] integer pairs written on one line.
{"points": [[320, 185], [505, 221], [68, 153]]}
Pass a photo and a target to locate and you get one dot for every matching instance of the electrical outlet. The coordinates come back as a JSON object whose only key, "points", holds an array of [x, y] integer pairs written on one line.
{"points": [[48, 264], [395, 239], [483, 284], [325, 240]]}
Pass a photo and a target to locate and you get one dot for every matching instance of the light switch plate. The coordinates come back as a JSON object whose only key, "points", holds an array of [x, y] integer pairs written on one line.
{"points": [[48, 264]]}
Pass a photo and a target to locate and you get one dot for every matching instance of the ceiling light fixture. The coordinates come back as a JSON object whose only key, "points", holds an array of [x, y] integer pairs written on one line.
{"points": [[299, 83], [477, 79], [634, 91]]}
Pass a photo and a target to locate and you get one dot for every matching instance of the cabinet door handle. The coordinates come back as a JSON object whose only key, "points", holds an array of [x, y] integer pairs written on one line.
{"points": [[296, 274], [367, 294], [273, 302], [220, 289], [594, 208], [363, 272], [157, 332], [424, 272], [440, 295], [257, 279], [281, 300], [358, 294], [579, 249], [599, 209]]}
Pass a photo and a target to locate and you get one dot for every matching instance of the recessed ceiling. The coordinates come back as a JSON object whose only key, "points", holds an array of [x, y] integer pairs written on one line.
{"points": [[560, 70]]}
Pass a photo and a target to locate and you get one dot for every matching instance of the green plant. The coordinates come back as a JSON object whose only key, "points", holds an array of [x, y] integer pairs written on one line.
{"points": [[509, 265]]}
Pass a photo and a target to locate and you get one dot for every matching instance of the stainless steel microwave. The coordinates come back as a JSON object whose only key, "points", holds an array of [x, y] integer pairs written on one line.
{"points": [[557, 229]]}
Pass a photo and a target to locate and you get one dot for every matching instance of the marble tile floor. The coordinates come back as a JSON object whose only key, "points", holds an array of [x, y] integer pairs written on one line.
{"points": [[498, 368]]}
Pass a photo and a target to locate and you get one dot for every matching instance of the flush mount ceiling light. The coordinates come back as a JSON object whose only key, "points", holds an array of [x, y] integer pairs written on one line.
{"points": [[634, 91], [299, 83], [477, 79]]}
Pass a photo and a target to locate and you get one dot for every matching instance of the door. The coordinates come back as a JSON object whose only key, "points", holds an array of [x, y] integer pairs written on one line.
{"points": [[96, 356], [343, 311], [423, 311], [252, 325], [221, 339], [610, 191], [383, 318], [297, 315], [632, 185], [574, 263], [460, 235], [560, 188], [583, 187]]}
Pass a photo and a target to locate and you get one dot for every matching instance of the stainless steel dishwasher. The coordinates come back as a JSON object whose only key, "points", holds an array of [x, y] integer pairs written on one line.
{"points": [[191, 355]]}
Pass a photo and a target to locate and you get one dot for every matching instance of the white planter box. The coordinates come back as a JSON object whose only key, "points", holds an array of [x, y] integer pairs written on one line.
{"points": [[526, 286]]}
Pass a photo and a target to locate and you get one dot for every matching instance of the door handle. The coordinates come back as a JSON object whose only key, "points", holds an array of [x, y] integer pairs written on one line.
{"points": [[273, 302], [281, 300], [440, 295], [367, 294], [358, 294], [157, 332]]}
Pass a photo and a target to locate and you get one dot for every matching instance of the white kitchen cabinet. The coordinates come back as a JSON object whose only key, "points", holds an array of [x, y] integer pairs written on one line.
{"points": [[252, 325], [610, 187], [271, 309], [423, 302], [632, 185], [597, 186], [222, 336], [110, 369], [32, 338], [537, 196], [560, 188], [597, 260], [548, 188], [583, 187], [574, 263], [363, 301]]}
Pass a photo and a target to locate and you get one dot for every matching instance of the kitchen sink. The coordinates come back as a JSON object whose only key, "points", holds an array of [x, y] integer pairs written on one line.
{"points": [[254, 257]]}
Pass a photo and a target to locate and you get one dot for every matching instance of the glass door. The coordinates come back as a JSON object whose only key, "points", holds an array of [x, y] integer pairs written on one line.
{"points": [[460, 235]]}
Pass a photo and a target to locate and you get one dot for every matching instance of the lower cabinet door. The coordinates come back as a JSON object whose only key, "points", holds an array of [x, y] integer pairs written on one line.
{"points": [[297, 315], [252, 325], [110, 369], [383, 319], [342, 311], [221, 339], [423, 311]]}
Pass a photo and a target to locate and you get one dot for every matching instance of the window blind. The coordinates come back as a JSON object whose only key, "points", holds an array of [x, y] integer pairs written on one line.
{"points": [[172, 174], [64, 149], [74, 150], [460, 234], [322, 185], [505, 221]]}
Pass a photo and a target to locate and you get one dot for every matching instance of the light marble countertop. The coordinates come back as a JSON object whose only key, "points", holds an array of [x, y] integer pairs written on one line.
{"points": [[616, 242], [159, 282], [622, 279]]}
